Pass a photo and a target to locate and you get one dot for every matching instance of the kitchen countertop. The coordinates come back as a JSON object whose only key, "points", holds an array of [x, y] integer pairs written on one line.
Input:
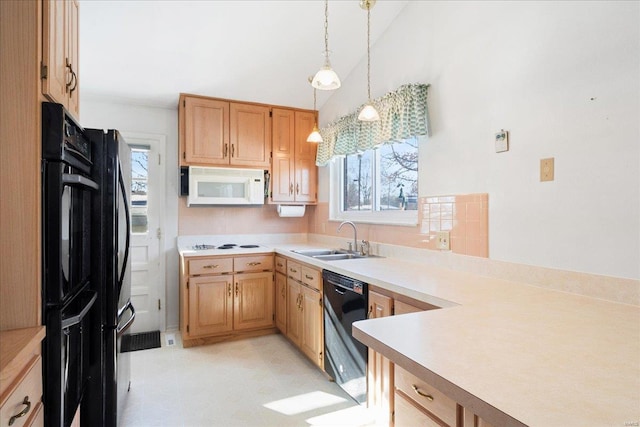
{"points": [[542, 357]]}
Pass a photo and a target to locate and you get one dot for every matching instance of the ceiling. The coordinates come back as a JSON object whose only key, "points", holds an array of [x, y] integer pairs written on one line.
{"points": [[147, 52]]}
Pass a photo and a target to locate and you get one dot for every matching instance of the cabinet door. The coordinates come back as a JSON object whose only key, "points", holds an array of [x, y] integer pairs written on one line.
{"points": [[282, 141], [306, 180], [304, 126], [281, 302], [54, 51], [206, 131], [311, 334], [72, 14], [294, 320], [210, 305], [253, 307], [379, 368], [250, 134]]}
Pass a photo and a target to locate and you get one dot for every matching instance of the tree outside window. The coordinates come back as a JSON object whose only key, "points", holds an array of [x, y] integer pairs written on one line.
{"points": [[395, 187]]}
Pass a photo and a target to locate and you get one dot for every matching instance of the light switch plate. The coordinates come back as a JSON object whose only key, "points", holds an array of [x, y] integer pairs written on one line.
{"points": [[546, 169]]}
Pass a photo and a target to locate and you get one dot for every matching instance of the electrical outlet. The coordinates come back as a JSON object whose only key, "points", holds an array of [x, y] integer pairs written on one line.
{"points": [[443, 240], [546, 169]]}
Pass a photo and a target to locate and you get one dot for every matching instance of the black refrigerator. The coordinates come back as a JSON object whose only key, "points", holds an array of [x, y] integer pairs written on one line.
{"points": [[86, 281], [111, 369]]}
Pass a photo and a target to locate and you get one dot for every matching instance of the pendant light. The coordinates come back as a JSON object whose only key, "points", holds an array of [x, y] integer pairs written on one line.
{"points": [[326, 78], [368, 112], [314, 136]]}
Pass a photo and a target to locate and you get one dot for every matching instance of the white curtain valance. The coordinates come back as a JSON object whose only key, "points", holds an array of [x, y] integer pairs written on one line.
{"points": [[403, 115]]}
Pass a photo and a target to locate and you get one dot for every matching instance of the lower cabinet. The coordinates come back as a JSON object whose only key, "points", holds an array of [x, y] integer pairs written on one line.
{"points": [[301, 306], [224, 296], [281, 302]]}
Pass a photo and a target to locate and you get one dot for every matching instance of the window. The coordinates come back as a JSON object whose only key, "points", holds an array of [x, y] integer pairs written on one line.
{"points": [[139, 175], [378, 185]]}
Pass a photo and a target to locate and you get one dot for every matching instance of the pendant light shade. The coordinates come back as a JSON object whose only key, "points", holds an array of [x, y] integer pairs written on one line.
{"points": [[326, 78], [314, 136], [368, 112]]}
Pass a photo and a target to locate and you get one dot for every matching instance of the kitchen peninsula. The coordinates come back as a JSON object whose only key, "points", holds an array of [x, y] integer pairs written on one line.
{"points": [[509, 352]]}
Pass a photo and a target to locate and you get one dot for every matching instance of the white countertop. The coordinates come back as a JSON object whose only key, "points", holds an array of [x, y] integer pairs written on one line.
{"points": [[544, 357]]}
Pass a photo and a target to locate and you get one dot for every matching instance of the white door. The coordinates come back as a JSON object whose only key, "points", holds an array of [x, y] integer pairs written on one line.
{"points": [[147, 206]]}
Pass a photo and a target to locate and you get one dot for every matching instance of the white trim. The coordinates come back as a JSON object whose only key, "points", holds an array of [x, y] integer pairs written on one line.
{"points": [[158, 142]]}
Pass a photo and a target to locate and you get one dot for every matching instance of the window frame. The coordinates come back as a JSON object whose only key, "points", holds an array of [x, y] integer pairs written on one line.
{"points": [[407, 218]]}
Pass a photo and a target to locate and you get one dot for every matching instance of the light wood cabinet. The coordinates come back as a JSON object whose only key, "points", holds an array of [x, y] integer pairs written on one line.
{"points": [[60, 71], [304, 326], [210, 305], [253, 303], [294, 172], [20, 161], [410, 414], [218, 132], [379, 368], [281, 302], [226, 297], [21, 377], [472, 420]]}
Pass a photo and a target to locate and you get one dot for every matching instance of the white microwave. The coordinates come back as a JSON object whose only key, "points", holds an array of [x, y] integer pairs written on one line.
{"points": [[225, 186]]}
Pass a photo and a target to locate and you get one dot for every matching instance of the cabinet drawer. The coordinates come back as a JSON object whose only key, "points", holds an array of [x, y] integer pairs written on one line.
{"points": [[426, 396], [294, 270], [408, 414], [253, 263], [31, 387], [281, 265], [210, 266], [311, 277]]}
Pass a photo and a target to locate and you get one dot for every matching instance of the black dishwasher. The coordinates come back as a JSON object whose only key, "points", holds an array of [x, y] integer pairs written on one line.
{"points": [[345, 358]]}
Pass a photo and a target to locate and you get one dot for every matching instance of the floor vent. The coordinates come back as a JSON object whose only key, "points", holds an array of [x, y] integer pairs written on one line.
{"points": [[141, 341]]}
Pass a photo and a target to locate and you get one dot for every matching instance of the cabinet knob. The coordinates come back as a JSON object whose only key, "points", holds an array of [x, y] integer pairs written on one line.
{"points": [[233, 150], [297, 188], [229, 288], [421, 393], [22, 413], [237, 289], [225, 150], [291, 188], [308, 277]]}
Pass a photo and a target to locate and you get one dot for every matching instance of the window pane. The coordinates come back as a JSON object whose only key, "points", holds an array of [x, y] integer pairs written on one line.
{"points": [[139, 175], [358, 182], [398, 176]]}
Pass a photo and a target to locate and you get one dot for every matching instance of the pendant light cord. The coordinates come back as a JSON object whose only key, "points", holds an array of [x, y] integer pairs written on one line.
{"points": [[314, 99], [369, 52], [326, 28]]}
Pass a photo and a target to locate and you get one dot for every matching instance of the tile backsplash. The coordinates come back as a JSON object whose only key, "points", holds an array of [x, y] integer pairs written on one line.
{"points": [[464, 216]]}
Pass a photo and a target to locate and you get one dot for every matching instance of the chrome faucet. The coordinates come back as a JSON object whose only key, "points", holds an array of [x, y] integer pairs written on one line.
{"points": [[355, 234]]}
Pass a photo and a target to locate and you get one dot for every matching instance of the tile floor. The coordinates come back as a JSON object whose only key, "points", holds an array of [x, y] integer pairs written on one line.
{"points": [[262, 381]]}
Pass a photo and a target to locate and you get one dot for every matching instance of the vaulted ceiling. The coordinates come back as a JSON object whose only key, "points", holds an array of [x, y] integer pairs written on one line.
{"points": [[147, 52]]}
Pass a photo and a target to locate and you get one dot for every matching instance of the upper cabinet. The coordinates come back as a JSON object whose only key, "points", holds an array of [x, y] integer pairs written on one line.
{"points": [[294, 172], [215, 132], [60, 65]]}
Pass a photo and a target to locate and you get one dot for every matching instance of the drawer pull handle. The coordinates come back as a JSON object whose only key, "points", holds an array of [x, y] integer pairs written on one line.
{"points": [[23, 412], [229, 288], [253, 264], [293, 270], [279, 265], [283, 293], [211, 266], [237, 289], [421, 393], [308, 277]]}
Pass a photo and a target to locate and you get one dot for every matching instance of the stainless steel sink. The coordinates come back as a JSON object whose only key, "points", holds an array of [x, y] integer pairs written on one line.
{"points": [[336, 257], [332, 254]]}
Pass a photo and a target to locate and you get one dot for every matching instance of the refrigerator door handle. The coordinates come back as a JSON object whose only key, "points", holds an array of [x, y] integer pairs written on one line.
{"points": [[69, 321], [123, 191], [122, 329]]}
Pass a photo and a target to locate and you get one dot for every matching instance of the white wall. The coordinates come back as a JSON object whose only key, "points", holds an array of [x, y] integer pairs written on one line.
{"points": [[563, 79], [163, 121]]}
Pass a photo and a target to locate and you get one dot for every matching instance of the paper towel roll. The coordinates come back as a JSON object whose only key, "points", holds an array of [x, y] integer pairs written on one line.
{"points": [[287, 211]]}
